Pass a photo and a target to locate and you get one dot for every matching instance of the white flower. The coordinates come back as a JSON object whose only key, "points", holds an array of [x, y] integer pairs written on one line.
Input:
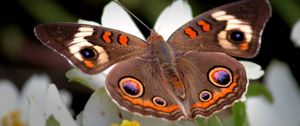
{"points": [[28, 108], [100, 110], [295, 35], [55, 107], [91, 81], [284, 110], [25, 104], [253, 70]]}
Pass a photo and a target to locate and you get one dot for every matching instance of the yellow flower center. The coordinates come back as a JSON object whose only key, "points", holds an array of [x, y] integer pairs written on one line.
{"points": [[12, 119], [128, 123]]}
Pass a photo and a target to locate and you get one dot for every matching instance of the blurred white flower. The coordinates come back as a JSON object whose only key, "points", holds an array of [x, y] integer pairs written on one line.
{"points": [[27, 108], [284, 88], [19, 109], [295, 35]]}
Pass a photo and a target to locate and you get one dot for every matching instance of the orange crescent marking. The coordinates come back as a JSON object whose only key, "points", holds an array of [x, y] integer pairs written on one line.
{"points": [[123, 39], [216, 96], [106, 36], [205, 26], [190, 32], [89, 64], [244, 46], [149, 104]]}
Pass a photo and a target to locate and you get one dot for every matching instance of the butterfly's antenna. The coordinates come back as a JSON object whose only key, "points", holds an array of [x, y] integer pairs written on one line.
{"points": [[119, 3]]}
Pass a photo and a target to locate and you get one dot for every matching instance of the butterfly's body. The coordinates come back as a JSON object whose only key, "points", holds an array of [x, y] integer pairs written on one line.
{"points": [[163, 57], [189, 75]]}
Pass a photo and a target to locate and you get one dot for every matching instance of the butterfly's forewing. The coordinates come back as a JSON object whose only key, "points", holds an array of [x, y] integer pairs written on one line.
{"points": [[234, 29], [138, 85], [90, 48], [215, 81]]}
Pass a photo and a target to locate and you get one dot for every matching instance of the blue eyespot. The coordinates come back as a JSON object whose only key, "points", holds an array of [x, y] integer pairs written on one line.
{"points": [[205, 95], [159, 101], [237, 36], [220, 76], [131, 87], [88, 53]]}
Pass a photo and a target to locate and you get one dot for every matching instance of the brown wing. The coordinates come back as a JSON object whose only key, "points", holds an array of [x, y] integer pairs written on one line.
{"points": [[90, 48], [214, 81], [234, 29], [138, 86]]}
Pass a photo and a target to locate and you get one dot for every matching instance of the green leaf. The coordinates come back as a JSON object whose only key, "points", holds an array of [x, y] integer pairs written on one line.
{"points": [[239, 114], [228, 121], [212, 121], [51, 121], [289, 10], [201, 121], [259, 90]]}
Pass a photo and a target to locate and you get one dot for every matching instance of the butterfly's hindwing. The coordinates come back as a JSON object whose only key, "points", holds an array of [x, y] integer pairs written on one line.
{"points": [[215, 81], [139, 86]]}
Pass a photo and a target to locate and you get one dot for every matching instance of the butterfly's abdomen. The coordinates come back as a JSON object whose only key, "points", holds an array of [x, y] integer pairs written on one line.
{"points": [[165, 57]]}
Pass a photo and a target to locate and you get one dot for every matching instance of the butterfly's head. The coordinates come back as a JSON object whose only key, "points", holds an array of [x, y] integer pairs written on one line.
{"points": [[155, 37]]}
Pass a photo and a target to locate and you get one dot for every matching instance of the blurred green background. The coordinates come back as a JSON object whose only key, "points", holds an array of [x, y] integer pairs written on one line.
{"points": [[23, 55]]}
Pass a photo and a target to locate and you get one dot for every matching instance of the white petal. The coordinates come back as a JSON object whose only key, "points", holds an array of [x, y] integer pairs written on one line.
{"points": [[116, 17], [253, 70], [174, 16], [54, 106], [284, 88], [82, 21], [66, 97], [100, 110], [34, 90], [79, 119], [8, 97], [92, 81], [295, 35], [36, 114]]}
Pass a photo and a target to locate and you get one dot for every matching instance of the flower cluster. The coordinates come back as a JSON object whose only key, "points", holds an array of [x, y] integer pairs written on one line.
{"points": [[35, 104]]}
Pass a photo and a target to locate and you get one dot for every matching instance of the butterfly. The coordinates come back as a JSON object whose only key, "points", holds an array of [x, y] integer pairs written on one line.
{"points": [[193, 73]]}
